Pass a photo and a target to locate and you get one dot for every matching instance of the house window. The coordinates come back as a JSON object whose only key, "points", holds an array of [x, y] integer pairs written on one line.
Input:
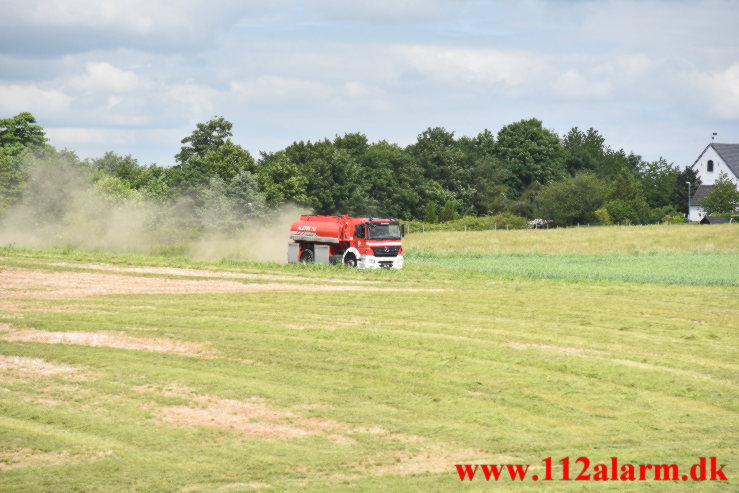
{"points": [[709, 166]]}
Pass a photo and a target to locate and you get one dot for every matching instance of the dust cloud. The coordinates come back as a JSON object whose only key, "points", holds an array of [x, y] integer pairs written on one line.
{"points": [[63, 208]]}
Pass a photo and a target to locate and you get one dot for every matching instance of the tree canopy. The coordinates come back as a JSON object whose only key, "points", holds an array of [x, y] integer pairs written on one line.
{"points": [[525, 170], [723, 198]]}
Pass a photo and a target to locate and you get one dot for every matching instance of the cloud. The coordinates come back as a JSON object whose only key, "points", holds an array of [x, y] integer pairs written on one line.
{"points": [[40, 27], [488, 66], [649, 73], [366, 95], [271, 88], [385, 10], [104, 77], [16, 98], [198, 98], [574, 85], [721, 91]]}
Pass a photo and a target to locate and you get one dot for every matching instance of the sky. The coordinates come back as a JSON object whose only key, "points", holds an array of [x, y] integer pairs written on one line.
{"points": [[655, 77]]}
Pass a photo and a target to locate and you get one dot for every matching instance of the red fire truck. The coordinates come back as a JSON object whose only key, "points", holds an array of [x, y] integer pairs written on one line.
{"points": [[353, 241]]}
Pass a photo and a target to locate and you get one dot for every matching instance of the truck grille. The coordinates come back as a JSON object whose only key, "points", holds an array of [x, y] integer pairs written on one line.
{"points": [[389, 251]]}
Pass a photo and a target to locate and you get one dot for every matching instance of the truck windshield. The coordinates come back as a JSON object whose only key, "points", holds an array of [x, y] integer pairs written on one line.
{"points": [[383, 231]]}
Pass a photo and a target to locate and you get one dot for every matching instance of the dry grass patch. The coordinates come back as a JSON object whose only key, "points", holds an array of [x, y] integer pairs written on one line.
{"points": [[434, 459], [569, 351], [255, 485], [32, 283], [26, 457], [26, 366], [253, 418], [118, 341], [175, 271], [309, 326], [16, 306]]}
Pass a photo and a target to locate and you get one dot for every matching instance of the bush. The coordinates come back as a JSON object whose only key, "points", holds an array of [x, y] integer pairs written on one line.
{"points": [[603, 217], [623, 211], [657, 215], [674, 219], [571, 201], [471, 223]]}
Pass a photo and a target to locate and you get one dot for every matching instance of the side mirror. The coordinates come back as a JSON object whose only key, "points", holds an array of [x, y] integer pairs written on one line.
{"points": [[402, 230]]}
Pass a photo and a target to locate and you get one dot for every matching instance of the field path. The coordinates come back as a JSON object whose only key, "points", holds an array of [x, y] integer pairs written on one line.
{"points": [[17, 282]]}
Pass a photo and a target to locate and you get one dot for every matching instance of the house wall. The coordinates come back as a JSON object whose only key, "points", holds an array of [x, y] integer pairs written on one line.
{"points": [[709, 178], [696, 213]]}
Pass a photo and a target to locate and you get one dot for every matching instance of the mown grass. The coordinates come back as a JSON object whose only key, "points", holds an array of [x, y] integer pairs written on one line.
{"points": [[496, 365]]}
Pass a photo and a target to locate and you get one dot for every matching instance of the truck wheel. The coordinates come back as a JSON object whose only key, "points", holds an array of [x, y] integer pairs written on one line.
{"points": [[306, 256], [350, 260]]}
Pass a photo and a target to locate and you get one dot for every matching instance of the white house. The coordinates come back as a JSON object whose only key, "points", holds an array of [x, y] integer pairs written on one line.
{"points": [[714, 159]]}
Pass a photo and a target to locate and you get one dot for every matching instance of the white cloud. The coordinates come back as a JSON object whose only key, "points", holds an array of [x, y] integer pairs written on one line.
{"points": [[198, 98], [104, 77], [42, 27], [366, 95], [90, 142], [385, 10], [573, 85], [16, 98], [271, 88], [476, 65], [141, 17], [643, 72], [721, 91]]}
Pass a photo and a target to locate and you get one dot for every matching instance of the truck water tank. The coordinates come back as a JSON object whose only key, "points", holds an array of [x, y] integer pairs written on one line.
{"points": [[325, 229]]}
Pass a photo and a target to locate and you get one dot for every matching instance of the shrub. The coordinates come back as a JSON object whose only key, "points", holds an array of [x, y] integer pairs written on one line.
{"points": [[676, 218], [603, 217], [472, 223], [657, 215]]}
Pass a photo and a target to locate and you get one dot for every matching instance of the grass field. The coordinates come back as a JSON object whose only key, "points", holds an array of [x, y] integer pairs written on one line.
{"points": [[122, 373]]}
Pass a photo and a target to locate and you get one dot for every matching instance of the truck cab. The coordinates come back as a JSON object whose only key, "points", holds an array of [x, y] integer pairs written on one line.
{"points": [[355, 242]]}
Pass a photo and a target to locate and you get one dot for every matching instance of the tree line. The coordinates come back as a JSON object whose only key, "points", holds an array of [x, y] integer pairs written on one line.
{"points": [[524, 170]]}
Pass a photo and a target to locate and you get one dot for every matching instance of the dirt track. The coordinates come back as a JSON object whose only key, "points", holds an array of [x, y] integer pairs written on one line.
{"points": [[16, 282]]}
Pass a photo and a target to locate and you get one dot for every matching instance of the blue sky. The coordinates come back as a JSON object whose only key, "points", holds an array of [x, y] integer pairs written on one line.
{"points": [[654, 77]]}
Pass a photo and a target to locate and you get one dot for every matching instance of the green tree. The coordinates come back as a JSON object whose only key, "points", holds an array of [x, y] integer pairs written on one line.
{"points": [[431, 212], [226, 161], [335, 182], [584, 151], [12, 180], [490, 176], [531, 153], [572, 201], [723, 198], [679, 193], [355, 144], [20, 132], [115, 189], [209, 152], [448, 212], [627, 204], [245, 193], [124, 167], [393, 178], [19, 137], [441, 160], [658, 180], [281, 179], [207, 137]]}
